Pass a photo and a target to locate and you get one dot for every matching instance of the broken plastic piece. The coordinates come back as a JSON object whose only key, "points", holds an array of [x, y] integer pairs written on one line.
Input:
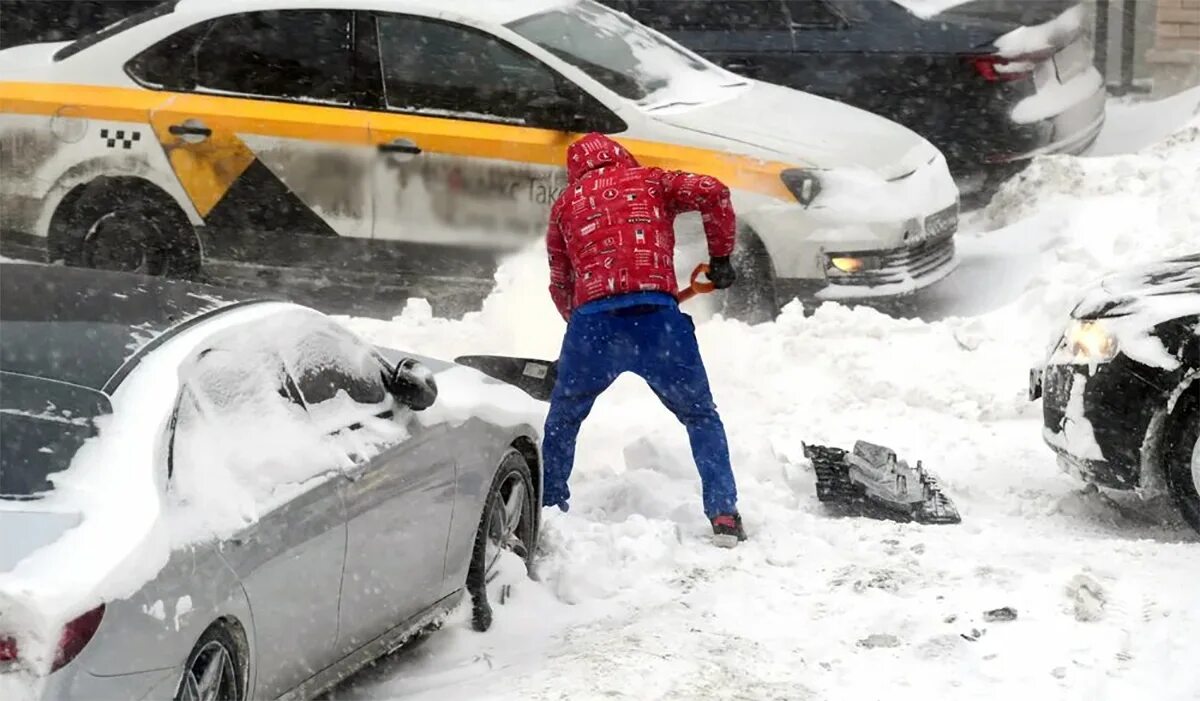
{"points": [[874, 481]]}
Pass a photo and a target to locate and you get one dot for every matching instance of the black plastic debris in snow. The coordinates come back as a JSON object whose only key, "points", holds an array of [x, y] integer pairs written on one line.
{"points": [[871, 481]]}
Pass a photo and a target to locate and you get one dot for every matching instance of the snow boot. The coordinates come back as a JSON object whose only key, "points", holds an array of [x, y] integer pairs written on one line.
{"points": [[727, 530]]}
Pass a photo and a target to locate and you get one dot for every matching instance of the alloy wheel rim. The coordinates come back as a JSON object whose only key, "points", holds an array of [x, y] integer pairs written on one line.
{"points": [[212, 676], [504, 524]]}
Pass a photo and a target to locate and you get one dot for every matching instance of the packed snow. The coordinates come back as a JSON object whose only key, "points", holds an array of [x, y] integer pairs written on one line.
{"points": [[631, 601], [1027, 40], [928, 8]]}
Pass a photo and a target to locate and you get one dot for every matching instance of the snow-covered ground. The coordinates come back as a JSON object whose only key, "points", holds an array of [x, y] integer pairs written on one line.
{"points": [[631, 601]]}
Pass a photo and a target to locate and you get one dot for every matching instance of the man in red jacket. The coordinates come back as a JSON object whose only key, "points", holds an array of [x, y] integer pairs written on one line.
{"points": [[611, 242]]}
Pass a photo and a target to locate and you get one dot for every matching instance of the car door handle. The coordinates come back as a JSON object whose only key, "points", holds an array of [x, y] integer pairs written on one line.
{"points": [[189, 129], [405, 146]]}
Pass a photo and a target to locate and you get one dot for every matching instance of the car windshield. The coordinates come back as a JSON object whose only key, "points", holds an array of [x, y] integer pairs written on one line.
{"points": [[633, 61], [115, 28], [43, 423]]}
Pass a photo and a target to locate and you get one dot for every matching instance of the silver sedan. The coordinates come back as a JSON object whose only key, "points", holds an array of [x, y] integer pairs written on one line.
{"points": [[349, 559]]}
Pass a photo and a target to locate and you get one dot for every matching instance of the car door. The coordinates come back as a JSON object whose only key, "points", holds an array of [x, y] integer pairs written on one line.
{"points": [[399, 493], [464, 159], [260, 130], [234, 415]]}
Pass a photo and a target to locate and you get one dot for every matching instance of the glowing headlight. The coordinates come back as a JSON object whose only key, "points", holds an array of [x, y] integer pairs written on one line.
{"points": [[848, 264], [1085, 342]]}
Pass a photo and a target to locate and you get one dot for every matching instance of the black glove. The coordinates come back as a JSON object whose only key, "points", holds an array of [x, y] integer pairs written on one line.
{"points": [[720, 272]]}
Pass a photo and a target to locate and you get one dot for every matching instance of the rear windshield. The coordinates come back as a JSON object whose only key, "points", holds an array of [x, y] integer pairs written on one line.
{"points": [[43, 424], [115, 28]]}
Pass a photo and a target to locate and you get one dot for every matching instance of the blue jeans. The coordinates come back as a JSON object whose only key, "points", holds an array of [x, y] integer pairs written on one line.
{"points": [[657, 342]]}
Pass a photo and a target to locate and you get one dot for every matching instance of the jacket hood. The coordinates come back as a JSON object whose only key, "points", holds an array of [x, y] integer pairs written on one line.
{"points": [[596, 151]]}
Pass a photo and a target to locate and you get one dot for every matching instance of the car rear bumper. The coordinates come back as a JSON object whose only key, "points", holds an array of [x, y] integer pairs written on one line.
{"points": [[1071, 131]]}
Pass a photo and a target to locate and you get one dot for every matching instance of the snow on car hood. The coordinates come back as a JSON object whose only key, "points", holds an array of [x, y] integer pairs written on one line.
{"points": [[1133, 302], [808, 130], [1167, 286]]}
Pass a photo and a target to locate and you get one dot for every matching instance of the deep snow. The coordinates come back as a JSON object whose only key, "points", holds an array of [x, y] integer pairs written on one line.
{"points": [[632, 602]]}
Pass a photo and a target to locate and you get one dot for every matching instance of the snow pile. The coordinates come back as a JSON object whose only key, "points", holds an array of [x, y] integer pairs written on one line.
{"points": [[632, 602]]}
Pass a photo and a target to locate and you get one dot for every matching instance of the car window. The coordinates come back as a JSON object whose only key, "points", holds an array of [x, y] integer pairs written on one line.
{"points": [[171, 63], [710, 15], [43, 424], [442, 68], [327, 360], [302, 55], [629, 59], [812, 13]]}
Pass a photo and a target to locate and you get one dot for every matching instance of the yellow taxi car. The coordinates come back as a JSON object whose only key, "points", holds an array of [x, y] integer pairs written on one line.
{"points": [[377, 149]]}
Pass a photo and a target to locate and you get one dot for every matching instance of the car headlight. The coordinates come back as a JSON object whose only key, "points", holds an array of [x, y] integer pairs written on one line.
{"points": [[1085, 342], [850, 263], [803, 184]]}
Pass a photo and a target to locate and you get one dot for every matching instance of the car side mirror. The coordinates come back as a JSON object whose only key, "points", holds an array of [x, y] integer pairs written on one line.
{"points": [[412, 384]]}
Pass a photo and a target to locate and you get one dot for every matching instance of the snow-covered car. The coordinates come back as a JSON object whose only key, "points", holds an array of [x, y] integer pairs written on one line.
{"points": [[401, 145], [1121, 389], [207, 498], [991, 83]]}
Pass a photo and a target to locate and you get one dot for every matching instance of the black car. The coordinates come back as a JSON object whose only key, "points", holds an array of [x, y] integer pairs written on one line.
{"points": [[988, 103], [1121, 389]]}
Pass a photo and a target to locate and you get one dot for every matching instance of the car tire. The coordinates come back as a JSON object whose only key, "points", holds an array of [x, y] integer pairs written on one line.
{"points": [[215, 669], [130, 226], [753, 298], [509, 522], [1182, 455]]}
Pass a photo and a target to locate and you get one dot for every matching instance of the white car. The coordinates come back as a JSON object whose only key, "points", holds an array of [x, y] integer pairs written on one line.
{"points": [[398, 146]]}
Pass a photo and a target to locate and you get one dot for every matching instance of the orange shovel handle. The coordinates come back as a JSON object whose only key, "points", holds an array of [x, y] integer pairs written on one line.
{"points": [[696, 286]]}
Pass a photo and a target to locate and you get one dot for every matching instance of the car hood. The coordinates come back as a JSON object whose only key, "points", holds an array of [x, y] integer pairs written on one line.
{"points": [[36, 530], [1163, 290], [811, 131]]}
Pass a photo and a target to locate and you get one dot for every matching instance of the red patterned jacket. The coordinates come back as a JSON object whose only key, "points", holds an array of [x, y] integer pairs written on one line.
{"points": [[612, 231]]}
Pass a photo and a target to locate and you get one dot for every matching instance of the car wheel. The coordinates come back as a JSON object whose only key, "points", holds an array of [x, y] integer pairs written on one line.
{"points": [[214, 671], [131, 228], [1183, 456], [753, 298], [508, 525]]}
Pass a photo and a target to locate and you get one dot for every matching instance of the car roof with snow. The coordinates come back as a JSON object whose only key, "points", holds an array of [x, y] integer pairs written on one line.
{"points": [[83, 326]]}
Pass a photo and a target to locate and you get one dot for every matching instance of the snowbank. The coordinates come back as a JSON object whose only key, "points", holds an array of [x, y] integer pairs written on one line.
{"points": [[632, 602]]}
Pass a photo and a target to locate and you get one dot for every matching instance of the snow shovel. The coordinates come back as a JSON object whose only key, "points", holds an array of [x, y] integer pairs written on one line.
{"points": [[537, 377]]}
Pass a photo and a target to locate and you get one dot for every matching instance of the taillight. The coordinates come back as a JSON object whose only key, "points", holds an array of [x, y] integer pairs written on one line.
{"points": [[75, 636], [8, 650], [997, 69], [1001, 69]]}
